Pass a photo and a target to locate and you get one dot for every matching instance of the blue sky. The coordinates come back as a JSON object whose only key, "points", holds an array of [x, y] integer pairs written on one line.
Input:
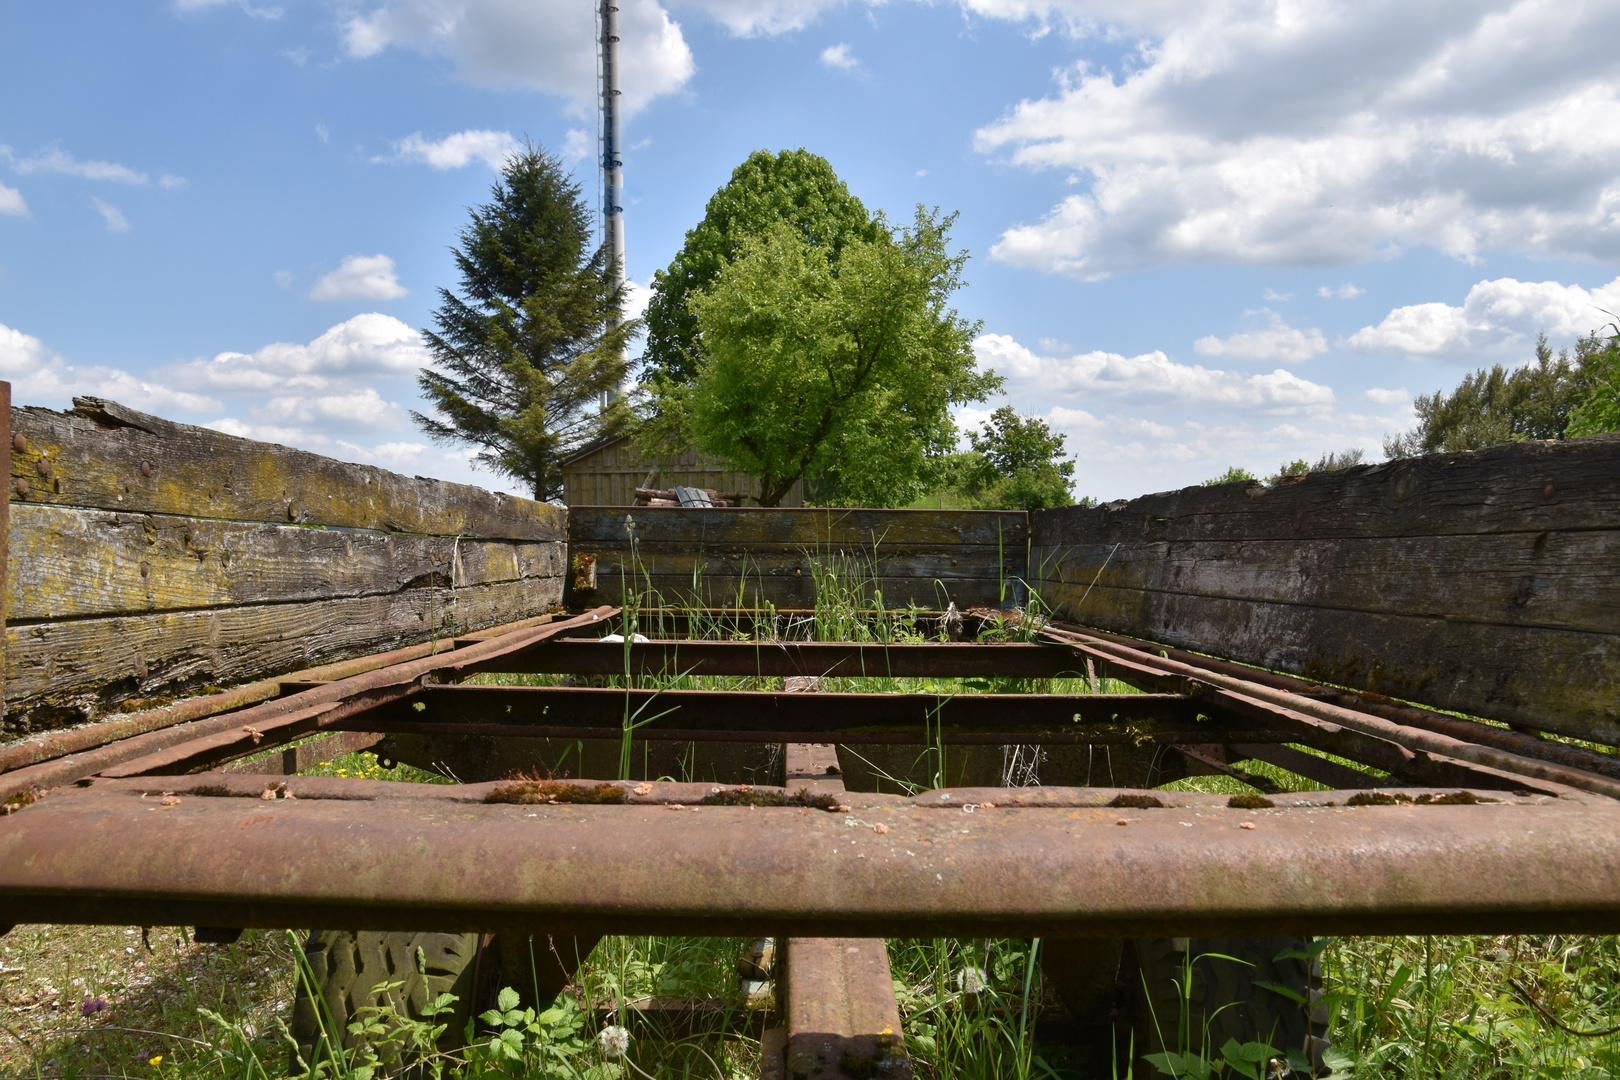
{"points": [[1202, 234]]}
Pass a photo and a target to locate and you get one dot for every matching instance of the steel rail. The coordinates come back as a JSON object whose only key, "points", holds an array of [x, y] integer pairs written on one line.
{"points": [[1516, 742], [1415, 740], [888, 867]]}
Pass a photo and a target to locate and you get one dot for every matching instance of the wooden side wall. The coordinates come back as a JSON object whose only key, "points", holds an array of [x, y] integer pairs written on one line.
{"points": [[1486, 583], [711, 557], [610, 475], [150, 559]]}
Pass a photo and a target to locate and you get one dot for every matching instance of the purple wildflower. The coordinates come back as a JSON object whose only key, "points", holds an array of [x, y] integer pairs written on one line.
{"points": [[89, 1007]]}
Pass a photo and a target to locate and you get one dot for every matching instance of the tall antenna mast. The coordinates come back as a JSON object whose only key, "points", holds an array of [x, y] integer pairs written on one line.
{"points": [[612, 163]]}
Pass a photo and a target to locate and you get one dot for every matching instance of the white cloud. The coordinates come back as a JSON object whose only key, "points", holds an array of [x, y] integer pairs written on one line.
{"points": [[1310, 133], [370, 344], [578, 145], [1150, 377], [284, 278], [1278, 342], [174, 183], [247, 9], [323, 133], [360, 277], [838, 56], [60, 161], [363, 405], [750, 18], [40, 376], [547, 45], [1497, 317], [456, 151], [1346, 291], [1381, 396], [1276, 297], [11, 202], [116, 221]]}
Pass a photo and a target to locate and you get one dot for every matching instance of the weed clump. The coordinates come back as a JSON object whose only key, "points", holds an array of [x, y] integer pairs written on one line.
{"points": [[1376, 798], [1136, 802], [26, 797], [750, 796], [531, 792], [1456, 798], [1250, 801]]}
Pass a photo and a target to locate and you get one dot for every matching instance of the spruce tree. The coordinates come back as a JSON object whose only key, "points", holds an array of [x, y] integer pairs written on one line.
{"points": [[524, 356]]}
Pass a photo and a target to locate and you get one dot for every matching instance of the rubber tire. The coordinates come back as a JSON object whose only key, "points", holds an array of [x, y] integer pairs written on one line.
{"points": [[348, 965], [1224, 1000]]}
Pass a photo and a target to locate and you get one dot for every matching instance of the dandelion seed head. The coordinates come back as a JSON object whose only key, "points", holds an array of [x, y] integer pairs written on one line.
{"points": [[614, 1041]]}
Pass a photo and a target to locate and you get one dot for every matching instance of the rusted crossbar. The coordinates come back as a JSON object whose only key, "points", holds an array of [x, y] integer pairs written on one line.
{"points": [[786, 658], [413, 856]]}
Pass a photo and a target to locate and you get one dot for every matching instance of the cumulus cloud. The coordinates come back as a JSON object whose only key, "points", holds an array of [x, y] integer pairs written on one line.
{"points": [[360, 277], [838, 56], [1150, 377], [1278, 342], [1315, 134], [60, 161], [11, 202], [750, 18], [370, 344], [546, 45], [456, 151], [578, 145], [1346, 291], [39, 375], [1381, 396], [363, 405], [1499, 316], [116, 221]]}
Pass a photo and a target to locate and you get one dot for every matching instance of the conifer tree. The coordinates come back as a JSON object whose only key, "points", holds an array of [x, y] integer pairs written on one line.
{"points": [[524, 357]]}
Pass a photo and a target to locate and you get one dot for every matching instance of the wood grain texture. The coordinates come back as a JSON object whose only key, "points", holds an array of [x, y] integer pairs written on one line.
{"points": [[1486, 583], [76, 563], [705, 557], [69, 671], [105, 456]]}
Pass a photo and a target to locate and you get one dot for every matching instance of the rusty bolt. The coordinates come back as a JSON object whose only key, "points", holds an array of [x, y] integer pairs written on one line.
{"points": [[43, 466], [292, 511], [1548, 491], [146, 468], [146, 569], [19, 443], [22, 485]]}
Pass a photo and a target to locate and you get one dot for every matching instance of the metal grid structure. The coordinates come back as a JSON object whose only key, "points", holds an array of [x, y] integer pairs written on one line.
{"points": [[1477, 828]]}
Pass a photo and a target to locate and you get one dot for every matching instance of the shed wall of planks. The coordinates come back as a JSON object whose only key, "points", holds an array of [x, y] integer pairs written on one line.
{"points": [[1485, 582], [150, 559], [610, 474], [748, 556]]}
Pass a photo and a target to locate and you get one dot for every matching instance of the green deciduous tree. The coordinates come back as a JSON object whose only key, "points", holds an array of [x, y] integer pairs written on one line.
{"points": [[1498, 406], [1017, 463], [794, 187], [847, 376], [523, 357], [1601, 409]]}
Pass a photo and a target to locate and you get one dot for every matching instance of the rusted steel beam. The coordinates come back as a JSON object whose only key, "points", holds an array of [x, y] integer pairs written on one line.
{"points": [[439, 858], [1416, 740], [1472, 731], [843, 1022], [1329, 773], [819, 658], [748, 710], [47, 747], [842, 1019], [1171, 736], [295, 759], [397, 680]]}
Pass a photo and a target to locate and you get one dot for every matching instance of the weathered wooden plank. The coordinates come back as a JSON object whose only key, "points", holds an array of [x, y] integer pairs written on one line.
{"points": [[75, 563], [1566, 580], [1521, 487], [837, 529], [65, 672], [105, 456], [1553, 680]]}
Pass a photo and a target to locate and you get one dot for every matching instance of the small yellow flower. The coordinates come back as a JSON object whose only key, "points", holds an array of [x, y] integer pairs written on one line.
{"points": [[155, 1059]]}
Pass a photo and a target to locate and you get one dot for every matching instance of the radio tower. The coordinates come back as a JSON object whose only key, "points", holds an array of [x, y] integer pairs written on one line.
{"points": [[612, 164]]}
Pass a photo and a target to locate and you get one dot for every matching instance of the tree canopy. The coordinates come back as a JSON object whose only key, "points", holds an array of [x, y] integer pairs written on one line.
{"points": [[845, 375], [793, 187], [1497, 405], [523, 357], [1016, 463]]}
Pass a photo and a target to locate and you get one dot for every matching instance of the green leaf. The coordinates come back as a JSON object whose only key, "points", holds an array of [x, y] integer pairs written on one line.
{"points": [[1286, 991], [551, 1016], [507, 1000]]}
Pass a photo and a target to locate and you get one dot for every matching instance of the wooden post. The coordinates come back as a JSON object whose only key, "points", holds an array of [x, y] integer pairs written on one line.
{"points": [[5, 529]]}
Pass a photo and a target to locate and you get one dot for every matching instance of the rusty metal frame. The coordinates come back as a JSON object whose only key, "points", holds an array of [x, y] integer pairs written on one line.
{"points": [[1476, 828]]}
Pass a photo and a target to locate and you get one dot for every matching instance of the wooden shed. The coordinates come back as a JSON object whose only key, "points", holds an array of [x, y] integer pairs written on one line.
{"points": [[608, 474]]}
